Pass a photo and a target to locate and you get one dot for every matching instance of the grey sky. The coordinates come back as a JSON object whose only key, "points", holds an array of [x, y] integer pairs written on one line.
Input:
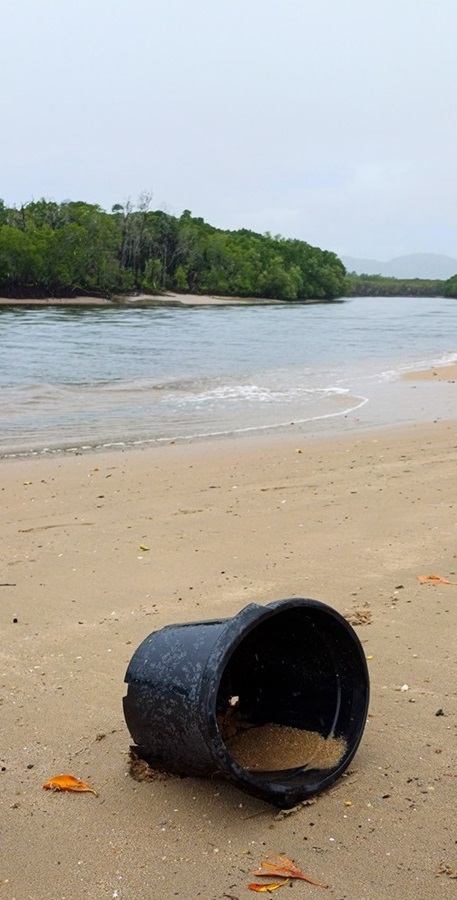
{"points": [[333, 121]]}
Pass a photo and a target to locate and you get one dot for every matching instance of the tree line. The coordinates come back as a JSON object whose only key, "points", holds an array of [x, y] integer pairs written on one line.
{"points": [[384, 286], [77, 248], [387, 286], [450, 287]]}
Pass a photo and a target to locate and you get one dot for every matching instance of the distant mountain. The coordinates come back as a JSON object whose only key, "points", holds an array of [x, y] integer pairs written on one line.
{"points": [[417, 265]]}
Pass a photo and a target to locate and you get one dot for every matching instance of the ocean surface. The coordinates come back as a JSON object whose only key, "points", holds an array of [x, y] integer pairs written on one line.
{"points": [[85, 378]]}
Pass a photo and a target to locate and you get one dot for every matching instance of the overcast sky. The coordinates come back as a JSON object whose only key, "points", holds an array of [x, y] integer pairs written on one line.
{"points": [[333, 121]]}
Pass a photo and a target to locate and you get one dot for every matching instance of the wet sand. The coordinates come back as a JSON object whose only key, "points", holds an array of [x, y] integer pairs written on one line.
{"points": [[352, 521]]}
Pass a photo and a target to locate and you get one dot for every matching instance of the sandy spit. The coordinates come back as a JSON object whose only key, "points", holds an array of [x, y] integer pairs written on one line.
{"points": [[350, 521]]}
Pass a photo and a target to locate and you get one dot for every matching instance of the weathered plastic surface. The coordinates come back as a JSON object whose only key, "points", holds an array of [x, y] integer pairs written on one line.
{"points": [[294, 662]]}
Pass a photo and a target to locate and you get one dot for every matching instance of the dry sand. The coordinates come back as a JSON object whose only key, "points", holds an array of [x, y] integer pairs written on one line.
{"points": [[350, 521]]}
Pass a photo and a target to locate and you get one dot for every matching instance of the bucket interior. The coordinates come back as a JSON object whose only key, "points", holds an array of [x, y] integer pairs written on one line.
{"points": [[292, 697]]}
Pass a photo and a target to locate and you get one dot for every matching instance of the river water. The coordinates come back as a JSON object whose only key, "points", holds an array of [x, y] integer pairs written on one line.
{"points": [[81, 378]]}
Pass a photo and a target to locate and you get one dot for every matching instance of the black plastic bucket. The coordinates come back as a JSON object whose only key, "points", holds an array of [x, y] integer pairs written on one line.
{"points": [[294, 663]]}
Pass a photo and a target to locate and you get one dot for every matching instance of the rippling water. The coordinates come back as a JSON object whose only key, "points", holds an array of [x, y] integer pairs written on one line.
{"points": [[84, 377]]}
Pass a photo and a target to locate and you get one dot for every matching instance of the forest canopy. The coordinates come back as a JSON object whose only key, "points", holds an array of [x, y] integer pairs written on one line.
{"points": [[77, 248]]}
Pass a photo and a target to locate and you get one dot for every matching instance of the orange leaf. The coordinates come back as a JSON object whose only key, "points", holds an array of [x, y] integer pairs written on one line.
{"points": [[267, 888], [67, 783], [280, 865], [434, 579]]}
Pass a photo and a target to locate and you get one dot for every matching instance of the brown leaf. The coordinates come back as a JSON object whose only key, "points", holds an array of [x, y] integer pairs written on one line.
{"points": [[267, 888], [67, 783], [286, 868], [434, 579]]}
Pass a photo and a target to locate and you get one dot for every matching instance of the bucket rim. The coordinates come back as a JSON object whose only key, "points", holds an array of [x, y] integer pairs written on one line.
{"points": [[232, 635]]}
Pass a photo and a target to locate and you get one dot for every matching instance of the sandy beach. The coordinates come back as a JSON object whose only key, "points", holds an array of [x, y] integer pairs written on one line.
{"points": [[99, 550]]}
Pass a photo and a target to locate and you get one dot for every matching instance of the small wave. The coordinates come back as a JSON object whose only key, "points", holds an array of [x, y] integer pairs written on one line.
{"points": [[361, 401], [97, 446], [254, 393]]}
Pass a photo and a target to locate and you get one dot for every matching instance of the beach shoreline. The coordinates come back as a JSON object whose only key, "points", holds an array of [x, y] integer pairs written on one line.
{"points": [[99, 550], [412, 409], [133, 300], [224, 385]]}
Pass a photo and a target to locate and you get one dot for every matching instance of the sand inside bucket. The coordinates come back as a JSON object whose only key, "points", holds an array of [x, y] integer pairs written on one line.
{"points": [[272, 747]]}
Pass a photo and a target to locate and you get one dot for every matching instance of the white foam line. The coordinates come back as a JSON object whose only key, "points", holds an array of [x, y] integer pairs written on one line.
{"points": [[188, 437], [248, 428]]}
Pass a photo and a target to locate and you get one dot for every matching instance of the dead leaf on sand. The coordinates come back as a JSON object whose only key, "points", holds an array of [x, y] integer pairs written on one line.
{"points": [[267, 888], [68, 783], [284, 868], [434, 579]]}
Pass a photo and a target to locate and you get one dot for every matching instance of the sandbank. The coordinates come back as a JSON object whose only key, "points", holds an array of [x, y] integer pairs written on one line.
{"points": [[352, 521], [434, 373]]}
